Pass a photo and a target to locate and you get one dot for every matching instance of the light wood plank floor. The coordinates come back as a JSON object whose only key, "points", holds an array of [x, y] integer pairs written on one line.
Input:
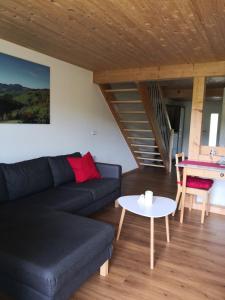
{"points": [[191, 267]]}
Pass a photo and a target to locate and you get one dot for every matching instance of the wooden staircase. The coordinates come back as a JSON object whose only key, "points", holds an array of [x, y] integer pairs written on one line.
{"points": [[143, 121]]}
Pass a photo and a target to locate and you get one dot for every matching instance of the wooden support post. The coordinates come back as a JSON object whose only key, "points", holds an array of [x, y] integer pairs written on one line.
{"points": [[208, 205], [183, 195], [167, 229], [116, 204], [152, 243], [104, 270], [121, 223], [179, 192], [222, 123], [191, 197], [196, 117], [204, 203]]}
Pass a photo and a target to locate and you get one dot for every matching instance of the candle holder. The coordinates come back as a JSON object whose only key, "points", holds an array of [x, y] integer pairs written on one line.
{"points": [[146, 199]]}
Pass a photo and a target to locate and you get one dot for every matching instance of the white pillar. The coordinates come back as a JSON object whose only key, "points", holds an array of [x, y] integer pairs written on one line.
{"points": [[222, 123]]}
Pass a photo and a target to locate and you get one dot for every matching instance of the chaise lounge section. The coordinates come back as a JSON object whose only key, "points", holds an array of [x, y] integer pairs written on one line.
{"points": [[48, 245]]}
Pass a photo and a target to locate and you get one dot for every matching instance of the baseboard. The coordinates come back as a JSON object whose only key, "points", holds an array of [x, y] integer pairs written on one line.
{"points": [[129, 172]]}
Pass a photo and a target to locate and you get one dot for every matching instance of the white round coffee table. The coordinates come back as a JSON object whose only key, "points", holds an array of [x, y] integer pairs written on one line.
{"points": [[161, 207]]}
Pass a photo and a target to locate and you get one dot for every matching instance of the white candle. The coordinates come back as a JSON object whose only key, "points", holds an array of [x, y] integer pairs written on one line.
{"points": [[148, 198]]}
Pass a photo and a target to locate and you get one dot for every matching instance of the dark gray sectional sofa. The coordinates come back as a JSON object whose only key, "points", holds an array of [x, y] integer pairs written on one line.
{"points": [[49, 246]]}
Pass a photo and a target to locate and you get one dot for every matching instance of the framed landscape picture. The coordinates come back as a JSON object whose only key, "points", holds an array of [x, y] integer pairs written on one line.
{"points": [[24, 91]]}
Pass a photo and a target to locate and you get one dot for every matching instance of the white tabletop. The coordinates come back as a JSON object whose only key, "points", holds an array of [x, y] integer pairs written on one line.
{"points": [[161, 206]]}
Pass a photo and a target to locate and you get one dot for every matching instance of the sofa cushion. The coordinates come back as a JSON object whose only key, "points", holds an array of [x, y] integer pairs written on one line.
{"points": [[199, 183], [99, 204], [61, 170], [84, 168], [3, 189], [47, 249], [98, 187], [27, 177], [61, 199]]}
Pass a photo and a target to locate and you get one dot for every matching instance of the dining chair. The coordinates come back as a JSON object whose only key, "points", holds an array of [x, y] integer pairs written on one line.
{"points": [[195, 186]]}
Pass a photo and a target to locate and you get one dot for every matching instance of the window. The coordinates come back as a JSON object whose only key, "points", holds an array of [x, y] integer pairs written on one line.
{"points": [[213, 129]]}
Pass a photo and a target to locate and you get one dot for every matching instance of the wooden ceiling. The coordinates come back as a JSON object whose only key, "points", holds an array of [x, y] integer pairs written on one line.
{"points": [[115, 34]]}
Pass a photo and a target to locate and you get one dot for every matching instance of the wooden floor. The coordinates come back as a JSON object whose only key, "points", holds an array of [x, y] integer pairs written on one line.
{"points": [[191, 267]]}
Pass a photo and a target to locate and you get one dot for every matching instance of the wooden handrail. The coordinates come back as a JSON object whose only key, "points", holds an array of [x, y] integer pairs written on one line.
{"points": [[158, 116], [152, 112], [164, 107], [160, 111]]}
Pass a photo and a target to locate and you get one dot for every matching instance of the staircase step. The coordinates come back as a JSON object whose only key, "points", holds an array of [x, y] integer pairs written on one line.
{"points": [[140, 138], [121, 90], [138, 130], [134, 121], [146, 158], [141, 145], [145, 152], [125, 101], [152, 165], [132, 112]]}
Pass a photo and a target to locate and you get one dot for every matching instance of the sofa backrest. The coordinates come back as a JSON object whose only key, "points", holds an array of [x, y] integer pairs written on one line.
{"points": [[60, 168], [3, 189], [27, 177]]}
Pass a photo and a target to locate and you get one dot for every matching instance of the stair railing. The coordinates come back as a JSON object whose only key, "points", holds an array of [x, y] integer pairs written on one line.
{"points": [[163, 120]]}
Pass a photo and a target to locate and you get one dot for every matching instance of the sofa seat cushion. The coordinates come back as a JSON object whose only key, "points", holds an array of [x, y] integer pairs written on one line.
{"points": [[198, 183], [98, 187], [45, 250], [61, 199]]}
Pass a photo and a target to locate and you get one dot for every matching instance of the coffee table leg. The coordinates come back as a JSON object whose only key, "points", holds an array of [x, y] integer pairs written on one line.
{"points": [[121, 223], [152, 244], [167, 229]]}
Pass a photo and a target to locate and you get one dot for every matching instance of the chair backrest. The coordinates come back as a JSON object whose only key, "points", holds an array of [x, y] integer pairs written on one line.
{"points": [[179, 157]]}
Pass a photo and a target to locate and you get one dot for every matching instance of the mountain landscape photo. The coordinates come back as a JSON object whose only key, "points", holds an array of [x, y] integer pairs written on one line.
{"points": [[24, 91]]}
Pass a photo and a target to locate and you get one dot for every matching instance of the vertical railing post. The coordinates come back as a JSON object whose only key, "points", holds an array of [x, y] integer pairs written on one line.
{"points": [[162, 118]]}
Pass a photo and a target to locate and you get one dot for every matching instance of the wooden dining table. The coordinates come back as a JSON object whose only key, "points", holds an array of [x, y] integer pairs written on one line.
{"points": [[201, 169]]}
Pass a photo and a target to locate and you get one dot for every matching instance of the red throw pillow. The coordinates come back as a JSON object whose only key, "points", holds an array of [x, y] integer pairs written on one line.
{"points": [[84, 168]]}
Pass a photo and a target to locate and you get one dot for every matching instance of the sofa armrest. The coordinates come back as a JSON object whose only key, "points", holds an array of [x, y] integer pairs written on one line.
{"points": [[109, 170]]}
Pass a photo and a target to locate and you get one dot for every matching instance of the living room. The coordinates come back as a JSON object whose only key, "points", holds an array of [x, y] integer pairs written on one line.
{"points": [[112, 122]]}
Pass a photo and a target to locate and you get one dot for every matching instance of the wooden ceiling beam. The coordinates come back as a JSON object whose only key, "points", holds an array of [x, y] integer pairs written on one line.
{"points": [[160, 72], [186, 93]]}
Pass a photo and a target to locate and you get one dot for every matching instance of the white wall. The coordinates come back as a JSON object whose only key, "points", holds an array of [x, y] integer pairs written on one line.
{"points": [[77, 108]]}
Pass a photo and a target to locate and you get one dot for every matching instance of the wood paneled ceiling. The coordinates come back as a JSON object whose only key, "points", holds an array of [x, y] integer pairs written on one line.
{"points": [[115, 34]]}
